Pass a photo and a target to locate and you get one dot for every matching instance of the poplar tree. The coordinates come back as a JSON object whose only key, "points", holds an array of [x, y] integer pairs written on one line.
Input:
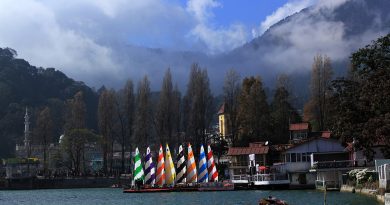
{"points": [[129, 101], [231, 93], [164, 121], [43, 131], [106, 115], [143, 117], [317, 109], [198, 106]]}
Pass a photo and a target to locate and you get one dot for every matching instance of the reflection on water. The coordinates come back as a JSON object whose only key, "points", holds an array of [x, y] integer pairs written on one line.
{"points": [[115, 196]]}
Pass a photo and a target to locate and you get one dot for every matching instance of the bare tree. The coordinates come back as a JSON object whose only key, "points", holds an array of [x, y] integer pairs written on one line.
{"points": [[43, 131], [320, 83], [106, 114], [75, 120]]}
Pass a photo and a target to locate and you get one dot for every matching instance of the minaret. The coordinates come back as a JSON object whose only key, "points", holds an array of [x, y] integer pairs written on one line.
{"points": [[27, 133]]}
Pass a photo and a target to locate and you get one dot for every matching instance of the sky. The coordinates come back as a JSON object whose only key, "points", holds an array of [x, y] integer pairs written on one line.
{"points": [[195, 25], [81, 37]]}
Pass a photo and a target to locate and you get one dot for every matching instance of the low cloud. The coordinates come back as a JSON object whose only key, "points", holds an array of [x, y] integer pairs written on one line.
{"points": [[286, 10], [303, 37], [33, 31]]}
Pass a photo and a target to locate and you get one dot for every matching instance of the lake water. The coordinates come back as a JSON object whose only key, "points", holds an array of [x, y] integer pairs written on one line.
{"points": [[115, 196]]}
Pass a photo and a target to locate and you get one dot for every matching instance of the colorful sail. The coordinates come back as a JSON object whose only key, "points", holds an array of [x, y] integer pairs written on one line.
{"points": [[160, 177], [191, 166], [138, 171], [203, 174], [213, 174], [149, 168], [170, 173], [181, 166]]}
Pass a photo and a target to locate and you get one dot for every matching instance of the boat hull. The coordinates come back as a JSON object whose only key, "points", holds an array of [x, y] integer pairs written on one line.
{"points": [[211, 186]]}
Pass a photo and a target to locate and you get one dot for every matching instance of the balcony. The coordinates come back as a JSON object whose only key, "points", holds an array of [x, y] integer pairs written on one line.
{"points": [[339, 164]]}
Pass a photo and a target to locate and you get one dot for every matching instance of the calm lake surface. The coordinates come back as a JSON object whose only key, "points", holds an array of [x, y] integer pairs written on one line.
{"points": [[115, 196]]}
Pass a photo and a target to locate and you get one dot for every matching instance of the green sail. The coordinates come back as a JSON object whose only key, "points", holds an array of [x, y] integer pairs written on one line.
{"points": [[138, 171]]}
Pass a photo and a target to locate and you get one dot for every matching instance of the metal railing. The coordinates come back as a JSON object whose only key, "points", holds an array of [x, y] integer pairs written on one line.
{"points": [[340, 164], [260, 177], [269, 177], [240, 177]]}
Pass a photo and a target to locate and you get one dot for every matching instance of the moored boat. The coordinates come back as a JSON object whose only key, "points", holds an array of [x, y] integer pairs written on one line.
{"points": [[272, 201]]}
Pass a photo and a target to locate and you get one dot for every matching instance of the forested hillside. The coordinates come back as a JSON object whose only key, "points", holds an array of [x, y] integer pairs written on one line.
{"points": [[23, 85]]}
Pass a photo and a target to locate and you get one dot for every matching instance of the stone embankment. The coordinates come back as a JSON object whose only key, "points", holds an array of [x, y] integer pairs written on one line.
{"points": [[369, 192]]}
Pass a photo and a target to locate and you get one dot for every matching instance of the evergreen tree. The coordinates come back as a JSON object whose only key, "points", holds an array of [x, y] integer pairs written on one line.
{"points": [[282, 114], [361, 103], [254, 112]]}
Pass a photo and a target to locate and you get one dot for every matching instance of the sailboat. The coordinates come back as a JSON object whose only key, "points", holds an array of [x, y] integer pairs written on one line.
{"points": [[166, 179], [181, 167], [170, 173], [138, 170], [149, 169]]}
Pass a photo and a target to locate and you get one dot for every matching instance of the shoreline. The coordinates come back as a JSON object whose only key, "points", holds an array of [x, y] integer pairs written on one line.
{"points": [[367, 192]]}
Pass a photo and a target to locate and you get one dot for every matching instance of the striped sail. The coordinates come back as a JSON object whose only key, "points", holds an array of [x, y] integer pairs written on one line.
{"points": [[203, 174], [138, 171], [170, 173], [160, 177], [181, 166], [191, 166], [213, 174], [149, 168]]}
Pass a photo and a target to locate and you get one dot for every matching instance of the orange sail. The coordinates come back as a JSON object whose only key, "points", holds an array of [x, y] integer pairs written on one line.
{"points": [[191, 166]]}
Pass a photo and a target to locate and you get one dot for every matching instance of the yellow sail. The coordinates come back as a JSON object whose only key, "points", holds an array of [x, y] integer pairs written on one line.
{"points": [[170, 173]]}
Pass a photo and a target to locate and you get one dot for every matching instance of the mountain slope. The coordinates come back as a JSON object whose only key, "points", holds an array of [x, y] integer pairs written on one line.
{"points": [[23, 85]]}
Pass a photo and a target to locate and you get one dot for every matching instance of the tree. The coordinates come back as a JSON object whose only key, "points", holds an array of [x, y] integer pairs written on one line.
{"points": [[282, 114], [106, 115], [143, 119], [164, 109], [198, 108], [361, 107], [231, 93], [120, 124], [129, 102], [43, 132], [74, 144], [318, 106], [253, 113], [75, 120]]}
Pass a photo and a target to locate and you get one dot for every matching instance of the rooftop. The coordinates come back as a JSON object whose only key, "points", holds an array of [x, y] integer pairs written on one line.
{"points": [[299, 126], [254, 148]]}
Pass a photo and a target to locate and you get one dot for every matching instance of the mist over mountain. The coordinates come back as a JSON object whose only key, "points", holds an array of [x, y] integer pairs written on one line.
{"points": [[332, 29]]}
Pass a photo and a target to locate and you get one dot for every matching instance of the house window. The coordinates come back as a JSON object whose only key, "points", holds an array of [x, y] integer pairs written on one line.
{"points": [[288, 158], [304, 157], [293, 157], [298, 157]]}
